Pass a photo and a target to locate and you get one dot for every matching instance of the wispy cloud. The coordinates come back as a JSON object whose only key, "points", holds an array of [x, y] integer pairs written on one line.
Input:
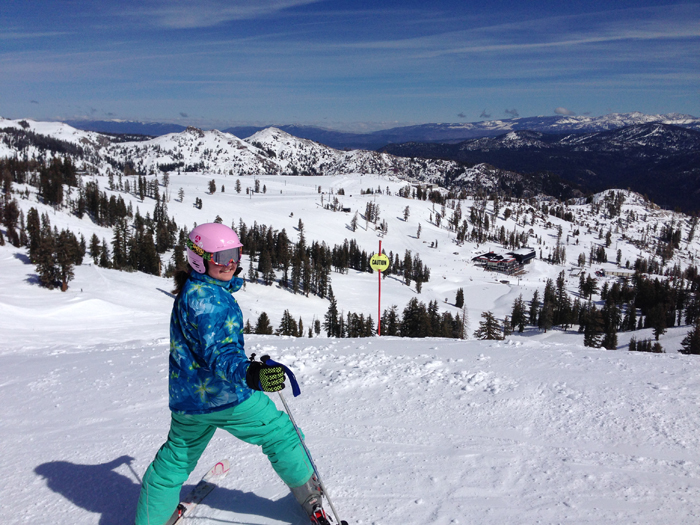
{"points": [[561, 32], [25, 35], [512, 113], [563, 111], [188, 14]]}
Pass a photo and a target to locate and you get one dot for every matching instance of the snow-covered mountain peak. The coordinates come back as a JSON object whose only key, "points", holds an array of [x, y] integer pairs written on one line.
{"points": [[277, 140]]}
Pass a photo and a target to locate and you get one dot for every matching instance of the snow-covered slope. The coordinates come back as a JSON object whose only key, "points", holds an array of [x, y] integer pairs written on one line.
{"points": [[194, 149], [295, 155], [533, 429]]}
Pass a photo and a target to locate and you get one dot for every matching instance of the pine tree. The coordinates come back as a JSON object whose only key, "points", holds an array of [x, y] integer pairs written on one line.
{"points": [[656, 318], [10, 216], [149, 262], [691, 342], [517, 316], [546, 317], [534, 308], [265, 267], [415, 321], [296, 273], [507, 327], [34, 232], [459, 298], [95, 248], [353, 222], [612, 319], [104, 255], [67, 251], [288, 326], [390, 321], [629, 322], [330, 320], [120, 242], [407, 267], [307, 276], [489, 328], [45, 258], [594, 328]]}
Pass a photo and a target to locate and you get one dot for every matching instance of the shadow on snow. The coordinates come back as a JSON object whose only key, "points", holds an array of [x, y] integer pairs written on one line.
{"points": [[101, 490]]}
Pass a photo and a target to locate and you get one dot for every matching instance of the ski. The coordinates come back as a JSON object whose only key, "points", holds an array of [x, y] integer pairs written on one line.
{"points": [[321, 518], [199, 492]]}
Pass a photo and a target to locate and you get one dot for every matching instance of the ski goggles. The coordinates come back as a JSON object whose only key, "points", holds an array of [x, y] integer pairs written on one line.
{"points": [[226, 257], [220, 258]]}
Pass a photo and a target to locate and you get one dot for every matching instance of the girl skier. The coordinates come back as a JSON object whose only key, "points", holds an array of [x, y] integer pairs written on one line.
{"points": [[213, 385]]}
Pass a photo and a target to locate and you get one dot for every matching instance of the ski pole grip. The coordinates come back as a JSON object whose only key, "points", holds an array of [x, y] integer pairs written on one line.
{"points": [[293, 380]]}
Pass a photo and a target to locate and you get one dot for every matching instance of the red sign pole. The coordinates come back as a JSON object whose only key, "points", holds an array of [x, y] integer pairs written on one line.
{"points": [[379, 301]]}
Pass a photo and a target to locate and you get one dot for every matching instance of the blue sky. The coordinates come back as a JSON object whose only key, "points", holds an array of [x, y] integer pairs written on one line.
{"points": [[355, 64]]}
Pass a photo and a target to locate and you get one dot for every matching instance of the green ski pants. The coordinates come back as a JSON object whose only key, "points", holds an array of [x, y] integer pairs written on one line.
{"points": [[256, 420]]}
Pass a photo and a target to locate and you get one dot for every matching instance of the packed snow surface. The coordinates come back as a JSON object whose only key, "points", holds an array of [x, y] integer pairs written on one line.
{"points": [[535, 429]]}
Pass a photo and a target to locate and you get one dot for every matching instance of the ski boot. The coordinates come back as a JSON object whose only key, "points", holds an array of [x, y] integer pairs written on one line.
{"points": [[309, 496], [175, 518]]}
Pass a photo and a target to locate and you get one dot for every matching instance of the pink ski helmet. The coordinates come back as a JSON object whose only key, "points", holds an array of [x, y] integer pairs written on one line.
{"points": [[207, 239]]}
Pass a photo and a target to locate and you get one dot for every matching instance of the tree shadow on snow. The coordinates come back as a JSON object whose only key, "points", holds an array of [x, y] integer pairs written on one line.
{"points": [[101, 490], [23, 257], [95, 488], [32, 278]]}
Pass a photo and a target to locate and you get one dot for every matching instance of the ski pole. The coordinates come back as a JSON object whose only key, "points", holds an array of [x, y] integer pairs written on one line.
{"points": [[308, 454], [297, 391]]}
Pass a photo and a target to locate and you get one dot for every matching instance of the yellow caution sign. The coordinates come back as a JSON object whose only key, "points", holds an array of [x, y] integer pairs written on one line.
{"points": [[379, 262]]}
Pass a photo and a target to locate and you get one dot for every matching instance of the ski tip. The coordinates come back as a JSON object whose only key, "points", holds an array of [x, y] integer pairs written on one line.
{"points": [[222, 467]]}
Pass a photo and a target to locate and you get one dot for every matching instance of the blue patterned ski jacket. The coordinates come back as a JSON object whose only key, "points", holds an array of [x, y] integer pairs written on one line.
{"points": [[208, 364]]}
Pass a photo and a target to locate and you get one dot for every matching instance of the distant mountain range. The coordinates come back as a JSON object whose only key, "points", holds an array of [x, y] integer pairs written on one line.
{"points": [[268, 152], [419, 133], [661, 160], [658, 159]]}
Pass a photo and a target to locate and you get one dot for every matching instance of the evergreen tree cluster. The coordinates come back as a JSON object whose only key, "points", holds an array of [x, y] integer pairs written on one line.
{"points": [[135, 244], [13, 219], [417, 320], [628, 306], [54, 253], [23, 139], [645, 345], [53, 176], [104, 211], [307, 268]]}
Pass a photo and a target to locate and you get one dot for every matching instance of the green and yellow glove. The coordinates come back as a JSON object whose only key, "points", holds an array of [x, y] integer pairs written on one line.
{"points": [[265, 378]]}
